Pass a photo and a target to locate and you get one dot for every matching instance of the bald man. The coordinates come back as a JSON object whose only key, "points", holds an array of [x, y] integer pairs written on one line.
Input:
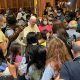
{"points": [[71, 70]]}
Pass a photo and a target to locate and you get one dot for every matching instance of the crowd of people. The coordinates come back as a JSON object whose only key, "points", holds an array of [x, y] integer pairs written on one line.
{"points": [[40, 48]]}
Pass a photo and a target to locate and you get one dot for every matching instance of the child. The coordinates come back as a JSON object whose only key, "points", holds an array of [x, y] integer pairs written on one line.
{"points": [[43, 40], [16, 53], [37, 63], [18, 60]]}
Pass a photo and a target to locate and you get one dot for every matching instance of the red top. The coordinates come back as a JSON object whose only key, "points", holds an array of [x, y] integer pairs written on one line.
{"points": [[47, 27]]}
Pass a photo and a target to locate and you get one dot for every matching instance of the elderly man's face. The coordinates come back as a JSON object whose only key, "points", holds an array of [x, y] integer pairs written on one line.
{"points": [[33, 21]]}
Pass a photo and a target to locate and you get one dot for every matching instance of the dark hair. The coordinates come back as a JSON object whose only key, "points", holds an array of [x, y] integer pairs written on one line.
{"points": [[38, 57], [43, 34], [60, 9], [72, 15], [62, 33], [28, 16], [31, 38], [56, 26], [48, 4], [11, 19], [15, 50], [29, 52], [1, 54]]}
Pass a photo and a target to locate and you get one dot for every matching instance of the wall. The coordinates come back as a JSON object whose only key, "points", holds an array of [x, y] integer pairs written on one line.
{"points": [[16, 4], [78, 3], [41, 5]]}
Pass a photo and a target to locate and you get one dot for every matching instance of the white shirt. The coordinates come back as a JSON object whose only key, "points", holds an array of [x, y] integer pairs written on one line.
{"points": [[19, 15], [48, 73]]}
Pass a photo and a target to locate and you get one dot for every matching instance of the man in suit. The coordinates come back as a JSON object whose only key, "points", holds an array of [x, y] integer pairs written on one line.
{"points": [[71, 70]]}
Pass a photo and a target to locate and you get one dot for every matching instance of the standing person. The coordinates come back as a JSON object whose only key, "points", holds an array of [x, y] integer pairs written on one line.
{"points": [[48, 9], [71, 70], [8, 12], [11, 32], [60, 15], [31, 41], [32, 27], [4, 25], [57, 54], [73, 34], [63, 35], [45, 25], [46, 28], [3, 39], [21, 14], [19, 60], [43, 39], [37, 63]]}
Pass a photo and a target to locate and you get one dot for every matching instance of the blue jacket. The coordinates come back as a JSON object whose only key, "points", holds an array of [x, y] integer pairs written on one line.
{"points": [[71, 70]]}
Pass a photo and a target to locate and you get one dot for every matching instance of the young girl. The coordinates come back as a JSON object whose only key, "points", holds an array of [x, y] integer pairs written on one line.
{"points": [[43, 40], [16, 53], [14, 59], [36, 64]]}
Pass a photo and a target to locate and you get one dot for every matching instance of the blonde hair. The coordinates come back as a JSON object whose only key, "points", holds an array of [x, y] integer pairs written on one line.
{"points": [[57, 51]]}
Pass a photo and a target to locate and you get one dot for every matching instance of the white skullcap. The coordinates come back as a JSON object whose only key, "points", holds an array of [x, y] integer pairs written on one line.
{"points": [[32, 18]]}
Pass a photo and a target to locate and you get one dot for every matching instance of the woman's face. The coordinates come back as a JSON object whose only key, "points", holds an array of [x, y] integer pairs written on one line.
{"points": [[45, 22]]}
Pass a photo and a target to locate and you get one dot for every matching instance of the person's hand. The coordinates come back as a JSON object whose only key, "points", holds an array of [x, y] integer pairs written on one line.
{"points": [[58, 78], [19, 29]]}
